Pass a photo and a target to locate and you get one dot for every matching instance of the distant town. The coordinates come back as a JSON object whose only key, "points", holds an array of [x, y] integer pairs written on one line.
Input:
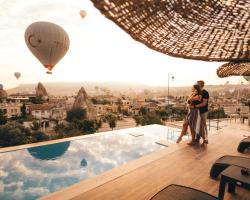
{"points": [[32, 114]]}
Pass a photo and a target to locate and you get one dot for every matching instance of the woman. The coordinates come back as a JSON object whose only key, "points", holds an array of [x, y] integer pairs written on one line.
{"points": [[193, 117]]}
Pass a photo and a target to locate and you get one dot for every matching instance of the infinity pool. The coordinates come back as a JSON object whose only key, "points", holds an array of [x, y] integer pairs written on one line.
{"points": [[28, 174]]}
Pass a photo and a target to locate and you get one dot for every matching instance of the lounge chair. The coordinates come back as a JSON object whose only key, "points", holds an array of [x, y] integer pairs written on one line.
{"points": [[244, 144], [225, 161], [178, 192]]}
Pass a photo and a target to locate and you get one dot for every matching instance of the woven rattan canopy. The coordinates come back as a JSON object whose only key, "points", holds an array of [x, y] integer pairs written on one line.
{"points": [[234, 69], [211, 30]]}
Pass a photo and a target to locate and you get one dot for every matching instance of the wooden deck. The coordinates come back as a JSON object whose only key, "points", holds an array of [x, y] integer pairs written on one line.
{"points": [[187, 166]]}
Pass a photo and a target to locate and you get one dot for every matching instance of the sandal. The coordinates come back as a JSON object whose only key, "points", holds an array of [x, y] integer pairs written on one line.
{"points": [[204, 143], [191, 143]]}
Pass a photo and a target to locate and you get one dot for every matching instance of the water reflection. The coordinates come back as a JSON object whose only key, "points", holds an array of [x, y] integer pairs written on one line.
{"points": [[30, 174], [84, 162], [49, 152]]}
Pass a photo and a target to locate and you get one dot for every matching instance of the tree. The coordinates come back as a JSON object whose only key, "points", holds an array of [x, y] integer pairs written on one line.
{"points": [[98, 124], [150, 118], [59, 128], [112, 123], [143, 111], [137, 119], [87, 126], [3, 118], [23, 110], [76, 114], [147, 119], [14, 133], [111, 120], [63, 130], [39, 136], [35, 126]]}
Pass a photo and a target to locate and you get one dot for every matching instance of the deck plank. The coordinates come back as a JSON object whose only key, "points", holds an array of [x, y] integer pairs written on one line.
{"points": [[187, 166]]}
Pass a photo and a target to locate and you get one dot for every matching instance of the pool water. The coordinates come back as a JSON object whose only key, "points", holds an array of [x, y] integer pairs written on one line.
{"points": [[28, 174]]}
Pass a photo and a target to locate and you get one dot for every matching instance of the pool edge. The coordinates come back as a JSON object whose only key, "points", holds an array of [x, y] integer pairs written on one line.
{"points": [[91, 183]]}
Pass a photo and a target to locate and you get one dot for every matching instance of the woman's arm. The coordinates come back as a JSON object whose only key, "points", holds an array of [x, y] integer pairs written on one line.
{"points": [[197, 97]]}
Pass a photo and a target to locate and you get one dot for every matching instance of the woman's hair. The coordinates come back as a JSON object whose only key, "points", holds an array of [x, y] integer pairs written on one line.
{"points": [[198, 88], [201, 83]]}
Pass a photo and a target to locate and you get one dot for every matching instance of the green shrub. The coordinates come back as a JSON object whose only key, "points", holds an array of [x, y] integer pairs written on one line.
{"points": [[76, 114], [14, 133]]}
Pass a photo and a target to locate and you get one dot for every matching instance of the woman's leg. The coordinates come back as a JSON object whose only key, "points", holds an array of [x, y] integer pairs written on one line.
{"points": [[183, 131]]}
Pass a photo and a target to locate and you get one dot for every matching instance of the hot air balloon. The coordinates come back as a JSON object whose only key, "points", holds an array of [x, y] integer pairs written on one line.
{"points": [[17, 75], [1, 86], [84, 162], [49, 152], [48, 42], [247, 78], [82, 13]]}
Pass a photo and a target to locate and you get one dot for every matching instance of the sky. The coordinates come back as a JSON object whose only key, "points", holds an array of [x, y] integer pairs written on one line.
{"points": [[99, 50]]}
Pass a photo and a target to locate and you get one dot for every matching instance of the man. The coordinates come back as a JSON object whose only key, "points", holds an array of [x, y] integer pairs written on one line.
{"points": [[203, 113], [203, 107]]}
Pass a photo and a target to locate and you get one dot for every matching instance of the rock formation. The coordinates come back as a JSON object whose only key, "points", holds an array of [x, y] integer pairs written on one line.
{"points": [[3, 94], [82, 101], [41, 92]]}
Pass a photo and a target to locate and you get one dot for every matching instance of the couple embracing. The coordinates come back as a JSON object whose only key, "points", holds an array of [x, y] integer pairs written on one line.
{"points": [[197, 115]]}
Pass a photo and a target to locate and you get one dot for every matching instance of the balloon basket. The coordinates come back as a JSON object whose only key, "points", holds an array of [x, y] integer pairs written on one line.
{"points": [[48, 72]]}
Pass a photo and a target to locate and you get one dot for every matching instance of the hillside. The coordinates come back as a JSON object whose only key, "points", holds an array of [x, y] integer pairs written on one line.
{"points": [[93, 88]]}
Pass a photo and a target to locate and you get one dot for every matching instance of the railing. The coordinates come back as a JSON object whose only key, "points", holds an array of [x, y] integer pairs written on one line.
{"points": [[217, 123]]}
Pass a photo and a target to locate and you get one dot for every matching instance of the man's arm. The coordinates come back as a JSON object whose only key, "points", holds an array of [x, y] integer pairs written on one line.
{"points": [[203, 104]]}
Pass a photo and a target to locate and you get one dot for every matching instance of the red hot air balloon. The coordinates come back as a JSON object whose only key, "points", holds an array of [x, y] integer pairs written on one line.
{"points": [[48, 42]]}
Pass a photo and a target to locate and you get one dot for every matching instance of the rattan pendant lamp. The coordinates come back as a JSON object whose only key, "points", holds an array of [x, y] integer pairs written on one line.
{"points": [[234, 69], [210, 30]]}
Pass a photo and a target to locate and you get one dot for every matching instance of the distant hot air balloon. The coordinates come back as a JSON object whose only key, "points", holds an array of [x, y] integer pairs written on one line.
{"points": [[247, 78], [1, 86], [48, 42], [17, 75], [82, 13], [84, 162]]}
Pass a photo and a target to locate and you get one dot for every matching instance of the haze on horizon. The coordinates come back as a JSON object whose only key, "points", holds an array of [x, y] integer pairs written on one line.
{"points": [[99, 50]]}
